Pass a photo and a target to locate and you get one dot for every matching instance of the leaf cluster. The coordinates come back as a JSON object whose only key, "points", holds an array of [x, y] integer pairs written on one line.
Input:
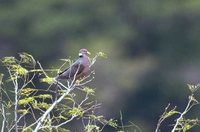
{"points": [[26, 100], [182, 123]]}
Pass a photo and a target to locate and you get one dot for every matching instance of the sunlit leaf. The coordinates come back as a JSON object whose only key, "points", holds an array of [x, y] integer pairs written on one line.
{"points": [[41, 105], [112, 123], [193, 88], [25, 101], [89, 91], [27, 91], [19, 70], [101, 54], [27, 129], [170, 113], [47, 80], [44, 96], [9, 60], [23, 111], [92, 128], [76, 111], [27, 58]]}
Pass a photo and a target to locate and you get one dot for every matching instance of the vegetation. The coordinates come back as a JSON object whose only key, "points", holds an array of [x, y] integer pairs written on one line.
{"points": [[24, 107], [153, 48], [182, 123]]}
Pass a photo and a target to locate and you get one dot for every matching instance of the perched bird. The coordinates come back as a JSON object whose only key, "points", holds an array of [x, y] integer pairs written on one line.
{"points": [[79, 69]]}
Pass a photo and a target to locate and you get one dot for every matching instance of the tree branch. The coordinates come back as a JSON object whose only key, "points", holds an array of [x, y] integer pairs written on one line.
{"points": [[51, 108]]}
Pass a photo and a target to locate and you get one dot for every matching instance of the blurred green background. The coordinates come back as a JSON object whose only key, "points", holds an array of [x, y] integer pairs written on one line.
{"points": [[153, 48]]}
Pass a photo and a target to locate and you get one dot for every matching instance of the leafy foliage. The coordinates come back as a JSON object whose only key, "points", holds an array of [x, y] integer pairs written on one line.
{"points": [[53, 113], [57, 102], [182, 123], [164, 31]]}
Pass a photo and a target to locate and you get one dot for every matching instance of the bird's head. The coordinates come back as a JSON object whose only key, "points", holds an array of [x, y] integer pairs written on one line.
{"points": [[83, 52]]}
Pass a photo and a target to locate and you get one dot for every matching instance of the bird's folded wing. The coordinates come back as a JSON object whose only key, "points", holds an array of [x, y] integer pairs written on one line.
{"points": [[73, 71]]}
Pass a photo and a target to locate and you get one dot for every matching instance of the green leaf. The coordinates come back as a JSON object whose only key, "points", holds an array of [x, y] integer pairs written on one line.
{"points": [[170, 113], [23, 111], [112, 123], [193, 88], [27, 129], [27, 58], [92, 128], [89, 91], [25, 101], [101, 54], [27, 91], [47, 80], [19, 70], [41, 105], [76, 111], [7, 61], [44, 96]]}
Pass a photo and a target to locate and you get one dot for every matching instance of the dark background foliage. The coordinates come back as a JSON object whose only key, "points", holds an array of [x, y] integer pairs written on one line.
{"points": [[152, 48]]}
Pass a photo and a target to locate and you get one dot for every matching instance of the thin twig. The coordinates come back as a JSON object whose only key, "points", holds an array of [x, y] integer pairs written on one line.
{"points": [[182, 114], [161, 119], [121, 119], [73, 116], [136, 126], [4, 118], [15, 83], [50, 109], [16, 104]]}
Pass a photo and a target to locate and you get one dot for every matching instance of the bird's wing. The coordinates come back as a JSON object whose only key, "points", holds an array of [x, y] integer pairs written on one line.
{"points": [[74, 70]]}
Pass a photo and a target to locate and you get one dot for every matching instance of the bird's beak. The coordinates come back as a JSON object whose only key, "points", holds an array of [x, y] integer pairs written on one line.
{"points": [[88, 53]]}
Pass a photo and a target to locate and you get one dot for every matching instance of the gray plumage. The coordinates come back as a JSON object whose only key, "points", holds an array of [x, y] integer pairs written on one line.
{"points": [[78, 69]]}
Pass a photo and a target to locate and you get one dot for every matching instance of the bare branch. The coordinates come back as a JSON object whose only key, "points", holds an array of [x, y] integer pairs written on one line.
{"points": [[4, 118], [188, 107], [51, 108]]}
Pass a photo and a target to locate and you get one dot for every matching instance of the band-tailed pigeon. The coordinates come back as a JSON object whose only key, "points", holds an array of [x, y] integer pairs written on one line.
{"points": [[78, 69]]}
